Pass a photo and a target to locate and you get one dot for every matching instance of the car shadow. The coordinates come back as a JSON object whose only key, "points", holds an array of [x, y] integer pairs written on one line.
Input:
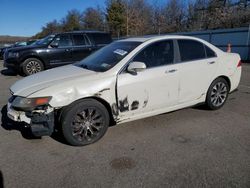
{"points": [[25, 130], [202, 107], [57, 134], [9, 72], [1, 180], [59, 138]]}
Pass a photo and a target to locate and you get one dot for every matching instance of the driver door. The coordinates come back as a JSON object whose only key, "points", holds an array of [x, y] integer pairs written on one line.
{"points": [[152, 89], [61, 53]]}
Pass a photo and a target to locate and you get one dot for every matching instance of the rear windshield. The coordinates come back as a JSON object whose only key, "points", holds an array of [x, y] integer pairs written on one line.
{"points": [[108, 56]]}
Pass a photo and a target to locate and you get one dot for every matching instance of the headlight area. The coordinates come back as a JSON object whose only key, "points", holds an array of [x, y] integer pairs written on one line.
{"points": [[12, 54], [39, 111], [29, 104]]}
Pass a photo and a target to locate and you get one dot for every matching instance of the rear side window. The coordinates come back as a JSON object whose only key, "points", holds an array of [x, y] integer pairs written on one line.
{"points": [[191, 50], [210, 53], [100, 38], [157, 54], [79, 39]]}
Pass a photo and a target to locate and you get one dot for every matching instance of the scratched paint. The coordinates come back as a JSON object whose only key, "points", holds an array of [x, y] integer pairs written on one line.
{"points": [[114, 108], [145, 102], [135, 105], [124, 105]]}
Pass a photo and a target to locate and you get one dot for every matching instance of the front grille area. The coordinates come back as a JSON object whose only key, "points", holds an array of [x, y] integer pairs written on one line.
{"points": [[5, 55], [11, 92]]}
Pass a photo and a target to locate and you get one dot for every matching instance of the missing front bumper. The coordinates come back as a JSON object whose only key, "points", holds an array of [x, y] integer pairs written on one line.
{"points": [[18, 116], [41, 122]]}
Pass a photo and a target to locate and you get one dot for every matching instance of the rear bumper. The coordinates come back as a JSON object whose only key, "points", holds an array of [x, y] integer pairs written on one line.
{"points": [[235, 79]]}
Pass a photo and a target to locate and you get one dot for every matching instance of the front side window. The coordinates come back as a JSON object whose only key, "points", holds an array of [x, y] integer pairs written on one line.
{"points": [[157, 54], [191, 50], [108, 56], [62, 41], [79, 39]]}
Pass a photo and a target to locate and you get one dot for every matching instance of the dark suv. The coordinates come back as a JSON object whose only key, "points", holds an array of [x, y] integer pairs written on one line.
{"points": [[17, 44], [55, 50]]}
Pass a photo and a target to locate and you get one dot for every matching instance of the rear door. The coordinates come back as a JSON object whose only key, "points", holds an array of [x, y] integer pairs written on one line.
{"points": [[82, 47], [198, 64], [62, 54]]}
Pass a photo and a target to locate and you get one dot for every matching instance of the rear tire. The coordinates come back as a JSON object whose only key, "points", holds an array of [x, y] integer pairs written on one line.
{"points": [[84, 122], [31, 66], [217, 94]]}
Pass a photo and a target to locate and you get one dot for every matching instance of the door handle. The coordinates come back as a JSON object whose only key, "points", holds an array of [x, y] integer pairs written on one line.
{"points": [[170, 71], [211, 62], [67, 50]]}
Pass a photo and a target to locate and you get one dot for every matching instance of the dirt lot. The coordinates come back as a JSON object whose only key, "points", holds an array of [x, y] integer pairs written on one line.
{"points": [[187, 148]]}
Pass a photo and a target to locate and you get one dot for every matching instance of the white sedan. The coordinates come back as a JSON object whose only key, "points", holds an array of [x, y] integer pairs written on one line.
{"points": [[127, 80]]}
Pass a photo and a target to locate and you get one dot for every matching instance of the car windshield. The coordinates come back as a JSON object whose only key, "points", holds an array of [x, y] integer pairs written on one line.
{"points": [[17, 44], [44, 41], [107, 57]]}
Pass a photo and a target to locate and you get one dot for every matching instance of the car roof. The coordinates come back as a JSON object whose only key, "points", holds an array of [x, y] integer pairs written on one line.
{"points": [[159, 37], [85, 31]]}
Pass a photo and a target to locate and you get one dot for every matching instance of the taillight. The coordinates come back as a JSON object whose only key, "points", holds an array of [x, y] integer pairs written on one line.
{"points": [[239, 64]]}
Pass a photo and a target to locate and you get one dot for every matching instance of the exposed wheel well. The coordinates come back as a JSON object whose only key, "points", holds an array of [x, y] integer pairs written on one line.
{"points": [[108, 107], [224, 77]]}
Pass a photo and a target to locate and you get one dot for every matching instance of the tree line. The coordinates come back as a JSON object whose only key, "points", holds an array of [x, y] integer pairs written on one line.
{"points": [[142, 17]]}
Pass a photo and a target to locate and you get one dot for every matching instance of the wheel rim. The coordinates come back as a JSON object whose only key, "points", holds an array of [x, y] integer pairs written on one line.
{"points": [[87, 125], [33, 67], [219, 94]]}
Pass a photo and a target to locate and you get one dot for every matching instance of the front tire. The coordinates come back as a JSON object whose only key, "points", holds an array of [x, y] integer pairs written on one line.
{"points": [[85, 122], [217, 94], [31, 66]]}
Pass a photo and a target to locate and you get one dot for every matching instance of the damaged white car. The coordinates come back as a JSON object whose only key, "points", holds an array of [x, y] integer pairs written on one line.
{"points": [[124, 81]]}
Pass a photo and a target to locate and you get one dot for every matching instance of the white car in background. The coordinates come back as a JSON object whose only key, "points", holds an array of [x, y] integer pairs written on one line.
{"points": [[127, 80]]}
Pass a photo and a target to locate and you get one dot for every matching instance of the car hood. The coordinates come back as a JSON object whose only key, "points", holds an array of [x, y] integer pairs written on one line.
{"points": [[23, 48], [45, 79]]}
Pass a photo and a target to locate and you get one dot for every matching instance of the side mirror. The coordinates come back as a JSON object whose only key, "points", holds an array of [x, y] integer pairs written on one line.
{"points": [[54, 45], [135, 67]]}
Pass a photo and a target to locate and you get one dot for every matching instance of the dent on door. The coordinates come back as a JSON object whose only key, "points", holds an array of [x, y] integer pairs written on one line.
{"points": [[150, 90], [131, 103]]}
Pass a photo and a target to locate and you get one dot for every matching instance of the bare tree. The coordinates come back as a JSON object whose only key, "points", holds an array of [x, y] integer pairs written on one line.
{"points": [[158, 20], [93, 19], [140, 17], [50, 28], [72, 21], [175, 14]]}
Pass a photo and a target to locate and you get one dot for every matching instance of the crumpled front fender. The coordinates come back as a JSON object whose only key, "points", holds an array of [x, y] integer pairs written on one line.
{"points": [[71, 92]]}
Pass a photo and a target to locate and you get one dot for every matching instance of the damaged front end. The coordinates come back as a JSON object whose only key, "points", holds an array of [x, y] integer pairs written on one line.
{"points": [[34, 111]]}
